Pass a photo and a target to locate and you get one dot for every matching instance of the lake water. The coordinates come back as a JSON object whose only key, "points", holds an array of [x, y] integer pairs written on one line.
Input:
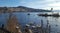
{"points": [[24, 18]]}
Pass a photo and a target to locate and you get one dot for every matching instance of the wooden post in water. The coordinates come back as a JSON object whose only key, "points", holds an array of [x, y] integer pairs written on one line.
{"points": [[2, 25], [47, 27], [41, 26]]}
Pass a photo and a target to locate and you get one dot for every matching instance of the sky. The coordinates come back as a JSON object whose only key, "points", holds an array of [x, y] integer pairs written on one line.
{"points": [[38, 4]]}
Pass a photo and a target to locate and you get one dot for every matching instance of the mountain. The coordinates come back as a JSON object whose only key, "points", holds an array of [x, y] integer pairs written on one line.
{"points": [[33, 10], [21, 9]]}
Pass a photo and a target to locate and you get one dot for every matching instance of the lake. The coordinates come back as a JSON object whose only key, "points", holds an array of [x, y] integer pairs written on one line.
{"points": [[24, 19]]}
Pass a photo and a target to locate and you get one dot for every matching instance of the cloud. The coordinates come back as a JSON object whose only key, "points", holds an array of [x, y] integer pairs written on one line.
{"points": [[55, 4], [44, 4]]}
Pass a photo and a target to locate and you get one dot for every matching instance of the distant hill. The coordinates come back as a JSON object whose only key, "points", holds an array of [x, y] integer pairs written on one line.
{"points": [[33, 10], [21, 9]]}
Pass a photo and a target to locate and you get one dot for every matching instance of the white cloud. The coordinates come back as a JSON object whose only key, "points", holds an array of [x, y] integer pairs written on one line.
{"points": [[56, 8], [55, 4], [44, 4]]}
